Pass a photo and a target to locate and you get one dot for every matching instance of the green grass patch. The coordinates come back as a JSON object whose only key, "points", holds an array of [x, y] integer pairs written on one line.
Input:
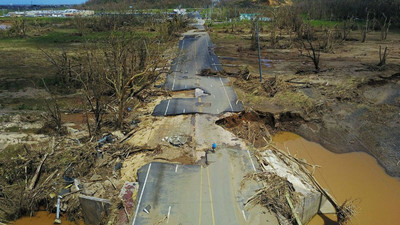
{"points": [[12, 151], [292, 99], [323, 23], [48, 20], [24, 104], [17, 129]]}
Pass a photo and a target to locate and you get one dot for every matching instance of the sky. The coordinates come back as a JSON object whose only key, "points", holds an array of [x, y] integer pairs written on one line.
{"points": [[40, 2]]}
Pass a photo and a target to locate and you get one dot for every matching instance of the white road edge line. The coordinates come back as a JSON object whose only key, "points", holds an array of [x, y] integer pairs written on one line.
{"points": [[226, 93], [141, 195], [169, 212], [166, 109], [180, 50], [173, 83], [176, 168], [251, 160], [244, 215]]}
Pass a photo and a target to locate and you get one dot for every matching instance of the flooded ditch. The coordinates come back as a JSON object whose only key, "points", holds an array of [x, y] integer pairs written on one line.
{"points": [[42, 218], [354, 175]]}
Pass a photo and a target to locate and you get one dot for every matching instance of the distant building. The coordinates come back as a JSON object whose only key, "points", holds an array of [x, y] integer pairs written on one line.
{"points": [[52, 13], [16, 14], [253, 16], [180, 11]]}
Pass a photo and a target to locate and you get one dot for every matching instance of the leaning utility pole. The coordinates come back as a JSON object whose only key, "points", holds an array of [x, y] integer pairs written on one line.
{"points": [[259, 52]]}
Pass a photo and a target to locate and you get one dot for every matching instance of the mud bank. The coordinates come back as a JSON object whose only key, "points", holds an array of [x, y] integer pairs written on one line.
{"points": [[354, 175]]}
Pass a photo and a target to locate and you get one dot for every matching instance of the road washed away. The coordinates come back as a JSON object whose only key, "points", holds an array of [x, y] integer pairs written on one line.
{"points": [[233, 185]]}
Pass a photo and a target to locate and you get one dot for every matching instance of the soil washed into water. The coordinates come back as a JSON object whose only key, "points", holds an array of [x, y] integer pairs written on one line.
{"points": [[354, 175], [42, 218]]}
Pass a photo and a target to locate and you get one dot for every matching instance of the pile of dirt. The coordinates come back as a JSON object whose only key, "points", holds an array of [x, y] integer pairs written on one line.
{"points": [[256, 127]]}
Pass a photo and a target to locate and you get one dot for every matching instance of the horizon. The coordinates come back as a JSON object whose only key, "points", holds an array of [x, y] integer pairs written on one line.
{"points": [[41, 2]]}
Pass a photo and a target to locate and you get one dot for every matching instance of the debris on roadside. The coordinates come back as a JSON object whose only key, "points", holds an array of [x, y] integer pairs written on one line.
{"points": [[127, 196], [176, 140], [290, 190]]}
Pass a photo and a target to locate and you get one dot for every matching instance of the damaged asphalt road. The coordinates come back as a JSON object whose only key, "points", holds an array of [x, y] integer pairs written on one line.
{"points": [[195, 55], [211, 192], [194, 194]]}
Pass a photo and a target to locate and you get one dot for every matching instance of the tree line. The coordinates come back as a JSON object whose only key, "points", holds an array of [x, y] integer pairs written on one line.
{"points": [[144, 4], [379, 10]]}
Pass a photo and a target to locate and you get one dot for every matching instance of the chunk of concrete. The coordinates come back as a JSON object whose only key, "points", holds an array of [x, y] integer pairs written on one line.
{"points": [[326, 206], [311, 200], [94, 209]]}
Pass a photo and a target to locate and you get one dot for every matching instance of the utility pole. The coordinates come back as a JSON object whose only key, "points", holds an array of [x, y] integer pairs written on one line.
{"points": [[259, 52]]}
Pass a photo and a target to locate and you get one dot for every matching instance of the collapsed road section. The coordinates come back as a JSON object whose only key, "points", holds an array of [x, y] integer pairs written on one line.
{"points": [[195, 55]]}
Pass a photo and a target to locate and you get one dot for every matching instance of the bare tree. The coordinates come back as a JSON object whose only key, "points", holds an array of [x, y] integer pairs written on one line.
{"points": [[347, 26], [385, 27], [63, 63], [274, 25], [93, 87], [125, 71], [328, 40], [382, 56], [365, 30], [53, 112], [80, 24], [19, 28], [313, 50]]}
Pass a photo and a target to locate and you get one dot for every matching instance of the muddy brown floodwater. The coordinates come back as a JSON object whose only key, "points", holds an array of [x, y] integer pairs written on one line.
{"points": [[354, 175], [42, 218]]}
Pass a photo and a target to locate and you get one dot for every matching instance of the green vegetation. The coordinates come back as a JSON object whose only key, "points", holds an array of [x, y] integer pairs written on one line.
{"points": [[17, 129], [12, 151], [144, 4], [323, 23]]}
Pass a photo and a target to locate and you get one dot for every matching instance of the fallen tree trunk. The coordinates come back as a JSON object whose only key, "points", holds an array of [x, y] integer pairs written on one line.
{"points": [[35, 177]]}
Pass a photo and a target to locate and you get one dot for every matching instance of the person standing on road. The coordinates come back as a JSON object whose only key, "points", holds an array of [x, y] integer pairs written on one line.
{"points": [[213, 147]]}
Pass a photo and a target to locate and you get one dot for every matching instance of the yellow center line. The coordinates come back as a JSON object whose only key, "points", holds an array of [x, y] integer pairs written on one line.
{"points": [[201, 192], [211, 201]]}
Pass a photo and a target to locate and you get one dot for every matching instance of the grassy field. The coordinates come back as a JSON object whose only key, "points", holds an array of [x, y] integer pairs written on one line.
{"points": [[23, 62]]}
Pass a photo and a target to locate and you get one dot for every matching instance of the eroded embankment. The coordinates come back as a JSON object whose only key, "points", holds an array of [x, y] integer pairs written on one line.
{"points": [[256, 126], [356, 175]]}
